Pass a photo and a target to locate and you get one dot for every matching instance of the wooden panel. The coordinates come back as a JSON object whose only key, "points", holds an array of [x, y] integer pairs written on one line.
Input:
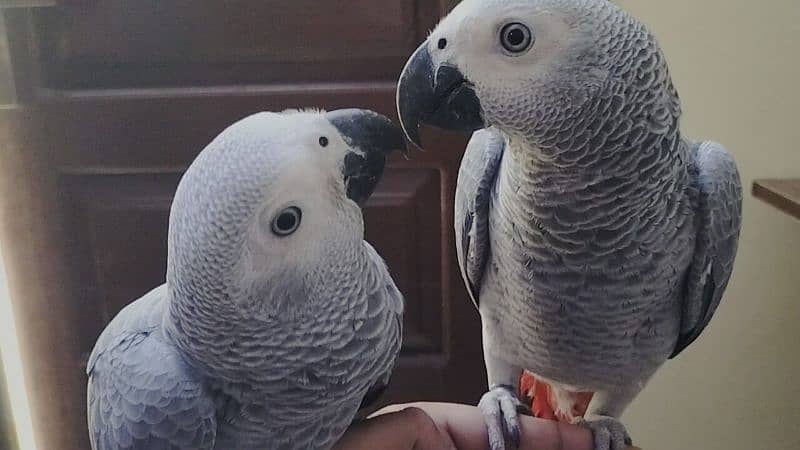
{"points": [[169, 42], [782, 194]]}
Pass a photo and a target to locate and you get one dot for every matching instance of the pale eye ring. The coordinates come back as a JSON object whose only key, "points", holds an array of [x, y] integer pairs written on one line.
{"points": [[516, 38], [287, 221]]}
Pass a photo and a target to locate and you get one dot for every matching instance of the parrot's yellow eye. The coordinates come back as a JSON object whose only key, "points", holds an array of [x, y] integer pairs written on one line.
{"points": [[516, 38], [287, 222]]}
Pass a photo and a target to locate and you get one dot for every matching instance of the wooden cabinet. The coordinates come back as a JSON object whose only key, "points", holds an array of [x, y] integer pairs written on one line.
{"points": [[119, 43], [115, 100]]}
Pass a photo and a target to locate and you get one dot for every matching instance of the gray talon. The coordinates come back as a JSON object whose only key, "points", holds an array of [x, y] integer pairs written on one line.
{"points": [[609, 433], [500, 408]]}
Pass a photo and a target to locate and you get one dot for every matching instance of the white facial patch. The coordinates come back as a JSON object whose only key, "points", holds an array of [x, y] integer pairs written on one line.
{"points": [[474, 44]]}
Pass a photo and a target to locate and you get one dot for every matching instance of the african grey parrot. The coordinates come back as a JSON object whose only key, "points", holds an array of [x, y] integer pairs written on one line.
{"points": [[594, 238], [277, 320]]}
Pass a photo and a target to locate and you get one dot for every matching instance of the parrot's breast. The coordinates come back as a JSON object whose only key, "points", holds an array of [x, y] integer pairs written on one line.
{"points": [[584, 283], [319, 373]]}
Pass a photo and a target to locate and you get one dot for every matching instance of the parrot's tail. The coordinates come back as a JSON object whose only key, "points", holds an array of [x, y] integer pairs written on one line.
{"points": [[552, 404]]}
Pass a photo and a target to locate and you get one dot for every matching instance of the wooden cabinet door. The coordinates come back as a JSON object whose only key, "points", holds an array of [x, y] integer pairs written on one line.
{"points": [[114, 100]]}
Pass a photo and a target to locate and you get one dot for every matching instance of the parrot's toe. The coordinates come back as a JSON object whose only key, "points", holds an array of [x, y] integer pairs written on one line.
{"points": [[609, 433], [500, 407]]}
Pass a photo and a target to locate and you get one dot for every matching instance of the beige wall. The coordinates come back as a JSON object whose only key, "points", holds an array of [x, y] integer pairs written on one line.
{"points": [[736, 65]]}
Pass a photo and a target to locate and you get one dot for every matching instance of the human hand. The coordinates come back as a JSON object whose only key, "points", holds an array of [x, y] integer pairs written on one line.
{"points": [[465, 427], [406, 428]]}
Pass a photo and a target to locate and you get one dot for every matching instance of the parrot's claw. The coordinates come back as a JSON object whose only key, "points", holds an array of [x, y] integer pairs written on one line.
{"points": [[501, 407], [609, 433]]}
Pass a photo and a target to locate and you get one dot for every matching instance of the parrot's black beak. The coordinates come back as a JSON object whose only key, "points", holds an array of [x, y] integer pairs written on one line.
{"points": [[438, 96], [371, 137]]}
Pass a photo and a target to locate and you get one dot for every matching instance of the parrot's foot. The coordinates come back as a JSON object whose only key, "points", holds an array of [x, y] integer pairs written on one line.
{"points": [[609, 433], [501, 407]]}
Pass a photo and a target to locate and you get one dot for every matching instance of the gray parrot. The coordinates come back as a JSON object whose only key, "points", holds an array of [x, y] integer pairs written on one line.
{"points": [[277, 320], [594, 238]]}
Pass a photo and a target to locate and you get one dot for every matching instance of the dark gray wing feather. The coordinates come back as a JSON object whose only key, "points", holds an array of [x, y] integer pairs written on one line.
{"points": [[141, 393], [719, 215], [476, 179]]}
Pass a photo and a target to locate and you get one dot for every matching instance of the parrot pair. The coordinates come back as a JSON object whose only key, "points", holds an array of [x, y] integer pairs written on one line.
{"points": [[595, 240]]}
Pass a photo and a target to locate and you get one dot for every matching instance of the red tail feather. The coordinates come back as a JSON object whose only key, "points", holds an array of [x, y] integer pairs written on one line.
{"points": [[543, 402]]}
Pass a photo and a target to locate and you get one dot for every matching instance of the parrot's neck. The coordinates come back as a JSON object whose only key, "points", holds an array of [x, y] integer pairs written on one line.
{"points": [[558, 189], [241, 344]]}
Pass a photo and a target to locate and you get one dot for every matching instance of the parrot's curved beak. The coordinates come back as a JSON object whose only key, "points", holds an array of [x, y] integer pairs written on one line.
{"points": [[438, 96], [371, 137]]}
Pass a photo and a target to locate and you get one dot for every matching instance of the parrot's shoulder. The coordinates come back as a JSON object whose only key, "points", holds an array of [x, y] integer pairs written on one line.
{"points": [[484, 149], [142, 393], [718, 191], [711, 160], [138, 318], [717, 172]]}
